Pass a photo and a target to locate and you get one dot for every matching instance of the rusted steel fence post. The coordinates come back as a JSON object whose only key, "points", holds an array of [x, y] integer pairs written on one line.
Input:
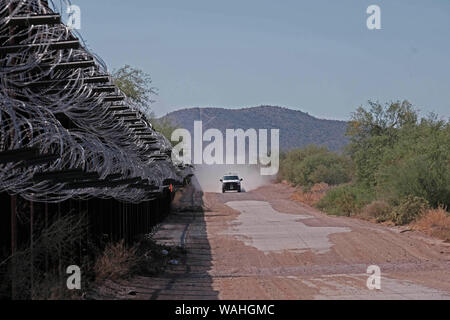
{"points": [[46, 226], [13, 244], [31, 248]]}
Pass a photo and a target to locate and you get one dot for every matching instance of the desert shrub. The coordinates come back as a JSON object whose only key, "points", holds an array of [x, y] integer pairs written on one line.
{"points": [[436, 223], [345, 200], [313, 165], [313, 196], [394, 156], [373, 132], [145, 257], [418, 165], [398, 155], [116, 262], [379, 210], [409, 209], [320, 187]]}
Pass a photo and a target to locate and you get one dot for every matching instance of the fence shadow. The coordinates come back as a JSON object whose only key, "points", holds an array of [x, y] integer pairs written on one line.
{"points": [[189, 278]]}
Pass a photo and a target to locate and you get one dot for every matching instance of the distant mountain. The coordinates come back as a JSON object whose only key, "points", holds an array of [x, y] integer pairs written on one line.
{"points": [[297, 128]]}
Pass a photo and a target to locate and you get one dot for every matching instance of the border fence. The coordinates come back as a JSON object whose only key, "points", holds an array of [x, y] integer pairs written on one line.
{"points": [[71, 142]]}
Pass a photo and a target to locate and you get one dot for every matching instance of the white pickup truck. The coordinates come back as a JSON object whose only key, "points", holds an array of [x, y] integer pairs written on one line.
{"points": [[231, 182]]}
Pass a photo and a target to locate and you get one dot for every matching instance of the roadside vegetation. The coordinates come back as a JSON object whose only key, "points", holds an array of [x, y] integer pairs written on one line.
{"points": [[313, 165], [145, 258], [396, 169]]}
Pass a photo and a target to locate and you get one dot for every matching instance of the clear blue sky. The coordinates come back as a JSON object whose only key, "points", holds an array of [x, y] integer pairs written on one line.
{"points": [[316, 56]]}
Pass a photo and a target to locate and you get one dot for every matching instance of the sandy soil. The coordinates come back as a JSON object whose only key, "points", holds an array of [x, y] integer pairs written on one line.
{"points": [[262, 245]]}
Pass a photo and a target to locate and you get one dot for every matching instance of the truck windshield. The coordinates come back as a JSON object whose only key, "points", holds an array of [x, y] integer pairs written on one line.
{"points": [[229, 178]]}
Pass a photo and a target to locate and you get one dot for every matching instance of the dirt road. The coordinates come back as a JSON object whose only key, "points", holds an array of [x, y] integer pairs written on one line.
{"points": [[263, 245]]}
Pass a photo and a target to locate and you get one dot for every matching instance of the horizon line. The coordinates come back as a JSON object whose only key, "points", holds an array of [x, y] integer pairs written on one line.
{"points": [[249, 107]]}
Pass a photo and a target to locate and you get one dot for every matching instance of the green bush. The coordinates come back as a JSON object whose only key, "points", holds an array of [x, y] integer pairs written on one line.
{"points": [[306, 167], [373, 132], [397, 155], [394, 156], [409, 209], [418, 165], [345, 200]]}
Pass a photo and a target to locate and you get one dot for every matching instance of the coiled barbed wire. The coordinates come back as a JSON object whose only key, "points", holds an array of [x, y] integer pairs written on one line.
{"points": [[49, 102]]}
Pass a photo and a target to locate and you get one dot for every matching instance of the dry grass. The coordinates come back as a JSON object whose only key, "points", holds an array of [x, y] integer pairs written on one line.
{"points": [[410, 209], [436, 223], [116, 262], [377, 210], [146, 258], [313, 196]]}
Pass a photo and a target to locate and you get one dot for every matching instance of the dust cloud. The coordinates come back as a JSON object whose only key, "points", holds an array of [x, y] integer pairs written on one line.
{"points": [[209, 176]]}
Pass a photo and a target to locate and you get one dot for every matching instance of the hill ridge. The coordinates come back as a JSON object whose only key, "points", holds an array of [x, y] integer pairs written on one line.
{"points": [[297, 128]]}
